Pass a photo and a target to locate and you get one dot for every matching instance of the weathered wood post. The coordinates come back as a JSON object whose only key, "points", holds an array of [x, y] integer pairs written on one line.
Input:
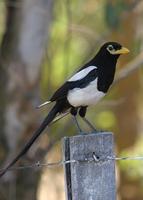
{"points": [[93, 176]]}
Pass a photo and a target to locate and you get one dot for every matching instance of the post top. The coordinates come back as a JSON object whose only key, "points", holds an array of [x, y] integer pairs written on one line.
{"points": [[92, 134]]}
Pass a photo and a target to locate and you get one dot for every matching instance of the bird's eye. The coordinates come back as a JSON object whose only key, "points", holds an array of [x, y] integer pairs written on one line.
{"points": [[110, 48]]}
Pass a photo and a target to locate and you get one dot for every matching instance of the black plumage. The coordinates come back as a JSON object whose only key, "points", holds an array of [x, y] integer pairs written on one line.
{"points": [[90, 83]]}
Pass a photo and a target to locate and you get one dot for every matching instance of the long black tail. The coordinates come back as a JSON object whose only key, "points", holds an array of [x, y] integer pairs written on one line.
{"points": [[27, 146]]}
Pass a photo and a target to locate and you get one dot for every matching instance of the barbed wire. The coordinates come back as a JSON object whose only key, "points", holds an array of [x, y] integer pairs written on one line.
{"points": [[93, 159]]}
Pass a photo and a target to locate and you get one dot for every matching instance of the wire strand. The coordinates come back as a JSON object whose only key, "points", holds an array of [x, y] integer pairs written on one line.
{"points": [[94, 159]]}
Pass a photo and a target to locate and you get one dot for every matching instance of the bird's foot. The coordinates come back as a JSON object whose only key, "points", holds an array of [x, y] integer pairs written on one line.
{"points": [[97, 131], [83, 133]]}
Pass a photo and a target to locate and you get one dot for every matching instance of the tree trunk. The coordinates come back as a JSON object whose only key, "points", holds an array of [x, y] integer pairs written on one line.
{"points": [[22, 50]]}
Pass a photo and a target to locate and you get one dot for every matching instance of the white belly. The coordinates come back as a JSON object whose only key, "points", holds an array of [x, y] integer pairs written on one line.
{"points": [[85, 96]]}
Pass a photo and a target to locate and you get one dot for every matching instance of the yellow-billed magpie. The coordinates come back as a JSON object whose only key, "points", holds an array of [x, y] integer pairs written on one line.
{"points": [[86, 87]]}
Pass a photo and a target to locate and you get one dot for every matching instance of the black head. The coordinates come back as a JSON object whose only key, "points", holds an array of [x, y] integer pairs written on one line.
{"points": [[108, 54], [113, 49], [106, 60]]}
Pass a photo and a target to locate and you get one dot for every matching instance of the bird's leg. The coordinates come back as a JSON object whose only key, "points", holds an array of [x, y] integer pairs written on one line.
{"points": [[89, 124], [82, 113], [77, 124], [73, 112]]}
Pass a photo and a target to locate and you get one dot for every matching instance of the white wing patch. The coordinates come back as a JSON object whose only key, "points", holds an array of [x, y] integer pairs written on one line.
{"points": [[85, 96], [81, 74]]}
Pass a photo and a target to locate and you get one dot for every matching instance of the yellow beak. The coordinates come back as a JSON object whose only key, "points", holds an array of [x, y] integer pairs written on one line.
{"points": [[123, 50]]}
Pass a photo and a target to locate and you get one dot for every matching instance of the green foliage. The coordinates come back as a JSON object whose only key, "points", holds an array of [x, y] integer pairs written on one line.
{"points": [[113, 13], [133, 168], [106, 120], [2, 19]]}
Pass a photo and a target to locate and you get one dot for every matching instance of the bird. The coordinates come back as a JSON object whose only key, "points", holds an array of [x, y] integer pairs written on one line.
{"points": [[85, 88]]}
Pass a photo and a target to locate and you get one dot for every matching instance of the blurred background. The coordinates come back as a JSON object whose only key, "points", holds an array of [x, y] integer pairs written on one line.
{"points": [[42, 43]]}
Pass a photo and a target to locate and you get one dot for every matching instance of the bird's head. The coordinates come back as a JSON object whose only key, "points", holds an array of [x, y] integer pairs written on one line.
{"points": [[108, 54], [114, 49]]}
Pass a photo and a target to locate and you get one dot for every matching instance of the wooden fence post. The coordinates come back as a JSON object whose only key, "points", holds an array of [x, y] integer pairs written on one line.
{"points": [[90, 180]]}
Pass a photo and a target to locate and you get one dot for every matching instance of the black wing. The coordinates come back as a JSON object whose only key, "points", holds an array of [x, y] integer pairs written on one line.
{"points": [[61, 93]]}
